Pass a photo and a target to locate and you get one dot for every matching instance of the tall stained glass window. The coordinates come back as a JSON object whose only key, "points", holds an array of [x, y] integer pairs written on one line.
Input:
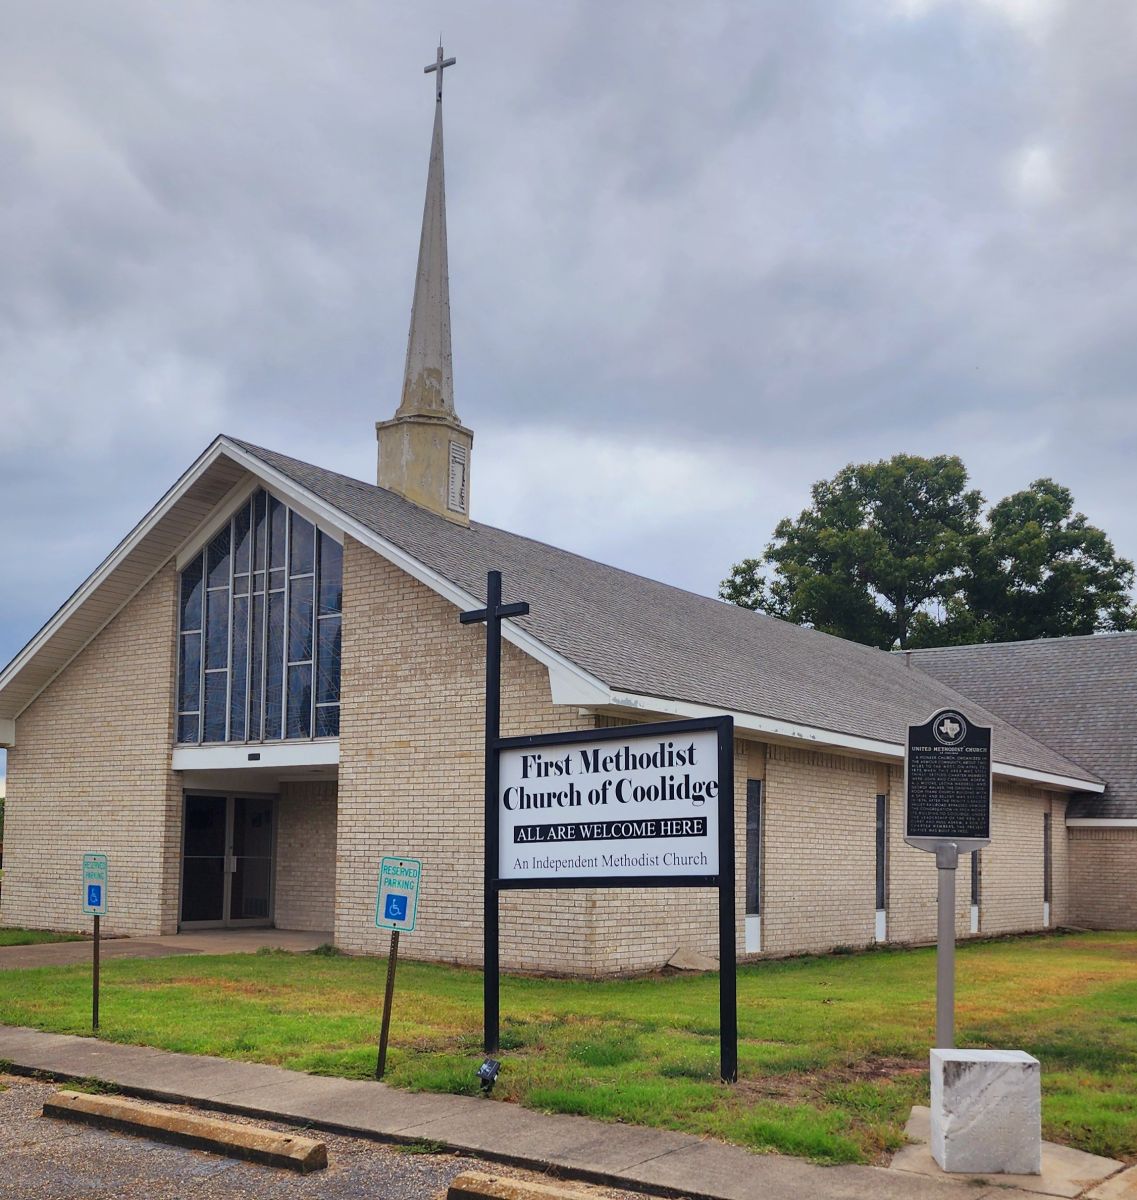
{"points": [[259, 619]]}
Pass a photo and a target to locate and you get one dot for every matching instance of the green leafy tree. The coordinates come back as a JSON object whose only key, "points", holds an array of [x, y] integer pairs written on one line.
{"points": [[1042, 570], [894, 554], [877, 544]]}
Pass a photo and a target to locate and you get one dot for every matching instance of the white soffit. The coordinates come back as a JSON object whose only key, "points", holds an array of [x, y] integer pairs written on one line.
{"points": [[228, 756]]}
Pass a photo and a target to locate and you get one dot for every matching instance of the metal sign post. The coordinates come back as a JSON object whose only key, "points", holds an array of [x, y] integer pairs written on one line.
{"points": [[396, 909], [636, 806], [947, 810], [95, 905]]}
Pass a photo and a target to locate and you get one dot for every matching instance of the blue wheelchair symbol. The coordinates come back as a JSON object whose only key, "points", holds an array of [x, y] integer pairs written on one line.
{"points": [[395, 908], [94, 895]]}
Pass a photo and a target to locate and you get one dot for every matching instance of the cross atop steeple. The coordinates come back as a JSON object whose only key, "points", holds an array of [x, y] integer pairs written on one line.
{"points": [[440, 64]]}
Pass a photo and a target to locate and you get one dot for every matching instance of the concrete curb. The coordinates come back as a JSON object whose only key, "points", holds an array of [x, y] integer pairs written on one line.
{"points": [[625, 1157], [264, 1146]]}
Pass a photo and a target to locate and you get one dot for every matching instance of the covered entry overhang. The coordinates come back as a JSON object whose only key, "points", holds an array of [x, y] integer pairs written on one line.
{"points": [[258, 835]]}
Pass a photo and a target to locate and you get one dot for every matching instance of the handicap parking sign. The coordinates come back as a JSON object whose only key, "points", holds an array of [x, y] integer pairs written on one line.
{"points": [[396, 905], [94, 891]]}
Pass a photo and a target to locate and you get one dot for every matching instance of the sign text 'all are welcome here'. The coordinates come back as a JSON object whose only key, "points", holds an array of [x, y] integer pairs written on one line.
{"points": [[611, 809]]}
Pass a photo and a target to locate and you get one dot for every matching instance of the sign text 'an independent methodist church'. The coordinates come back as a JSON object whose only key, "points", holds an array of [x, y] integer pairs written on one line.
{"points": [[624, 808]]}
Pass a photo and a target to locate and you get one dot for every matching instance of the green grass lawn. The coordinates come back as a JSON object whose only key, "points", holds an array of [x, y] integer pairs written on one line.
{"points": [[832, 1050], [32, 937]]}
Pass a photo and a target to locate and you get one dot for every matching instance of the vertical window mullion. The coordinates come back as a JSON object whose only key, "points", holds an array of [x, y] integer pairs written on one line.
{"points": [[264, 623], [229, 631], [249, 619], [287, 630], [316, 536], [201, 666]]}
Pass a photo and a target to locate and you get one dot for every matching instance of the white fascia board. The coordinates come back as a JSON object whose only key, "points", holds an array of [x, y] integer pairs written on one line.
{"points": [[1103, 822], [108, 566], [7, 733], [1066, 782], [229, 757], [571, 683], [827, 738]]}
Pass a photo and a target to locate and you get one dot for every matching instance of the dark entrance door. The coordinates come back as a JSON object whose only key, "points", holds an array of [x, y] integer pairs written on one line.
{"points": [[227, 860]]}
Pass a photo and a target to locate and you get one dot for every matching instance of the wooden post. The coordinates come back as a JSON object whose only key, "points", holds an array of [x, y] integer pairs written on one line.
{"points": [[392, 959]]}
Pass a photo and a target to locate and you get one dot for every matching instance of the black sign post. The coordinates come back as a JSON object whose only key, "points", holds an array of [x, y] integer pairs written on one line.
{"points": [[721, 878], [947, 810]]}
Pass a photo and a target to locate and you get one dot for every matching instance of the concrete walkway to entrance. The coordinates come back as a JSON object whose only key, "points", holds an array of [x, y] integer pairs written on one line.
{"points": [[623, 1156], [199, 941]]}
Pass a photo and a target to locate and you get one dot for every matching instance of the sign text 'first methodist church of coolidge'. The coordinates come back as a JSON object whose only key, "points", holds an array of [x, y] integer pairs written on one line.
{"points": [[647, 805]]}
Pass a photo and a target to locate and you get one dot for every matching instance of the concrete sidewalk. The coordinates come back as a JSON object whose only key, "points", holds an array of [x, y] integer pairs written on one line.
{"points": [[623, 1156], [204, 941]]}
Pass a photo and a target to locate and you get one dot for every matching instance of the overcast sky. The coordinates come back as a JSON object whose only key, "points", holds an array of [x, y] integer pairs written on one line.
{"points": [[701, 255]]}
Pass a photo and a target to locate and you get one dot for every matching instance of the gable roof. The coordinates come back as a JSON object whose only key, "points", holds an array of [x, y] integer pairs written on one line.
{"points": [[1077, 694], [620, 639]]}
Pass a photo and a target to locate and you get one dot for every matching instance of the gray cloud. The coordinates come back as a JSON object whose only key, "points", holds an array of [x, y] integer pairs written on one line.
{"points": [[701, 255]]}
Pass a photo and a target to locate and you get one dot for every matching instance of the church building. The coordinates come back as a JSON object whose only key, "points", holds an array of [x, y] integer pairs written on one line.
{"points": [[265, 688]]}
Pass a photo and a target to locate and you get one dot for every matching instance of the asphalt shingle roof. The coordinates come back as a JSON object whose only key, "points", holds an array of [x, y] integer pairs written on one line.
{"points": [[1077, 694], [642, 636]]}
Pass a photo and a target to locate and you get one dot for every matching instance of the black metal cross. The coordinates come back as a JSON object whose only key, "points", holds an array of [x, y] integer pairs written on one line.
{"points": [[493, 614]]}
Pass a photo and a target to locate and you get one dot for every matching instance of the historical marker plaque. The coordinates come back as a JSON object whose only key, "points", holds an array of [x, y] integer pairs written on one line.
{"points": [[947, 782]]}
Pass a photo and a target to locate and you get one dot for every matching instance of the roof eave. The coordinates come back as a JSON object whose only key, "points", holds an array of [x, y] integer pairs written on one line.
{"points": [[791, 733]]}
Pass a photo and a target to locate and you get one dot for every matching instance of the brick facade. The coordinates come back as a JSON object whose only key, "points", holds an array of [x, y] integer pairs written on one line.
{"points": [[1103, 877], [306, 857], [90, 771]]}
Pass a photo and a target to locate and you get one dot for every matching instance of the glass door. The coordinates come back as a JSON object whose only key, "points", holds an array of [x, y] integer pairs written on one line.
{"points": [[205, 860], [250, 877], [227, 860]]}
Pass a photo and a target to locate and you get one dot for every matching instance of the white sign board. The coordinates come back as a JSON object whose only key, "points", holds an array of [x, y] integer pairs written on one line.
{"points": [[95, 885], [396, 906], [642, 807]]}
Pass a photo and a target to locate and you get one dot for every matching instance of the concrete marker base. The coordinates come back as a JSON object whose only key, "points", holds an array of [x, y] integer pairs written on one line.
{"points": [[265, 1146]]}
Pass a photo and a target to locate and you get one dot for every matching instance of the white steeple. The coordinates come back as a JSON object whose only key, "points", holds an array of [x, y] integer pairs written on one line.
{"points": [[424, 451]]}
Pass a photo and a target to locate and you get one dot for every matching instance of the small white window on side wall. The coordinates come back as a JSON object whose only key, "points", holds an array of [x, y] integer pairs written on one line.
{"points": [[459, 462]]}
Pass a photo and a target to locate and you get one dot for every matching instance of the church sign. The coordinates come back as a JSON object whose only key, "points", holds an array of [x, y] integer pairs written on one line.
{"points": [[638, 806], [947, 782], [589, 806]]}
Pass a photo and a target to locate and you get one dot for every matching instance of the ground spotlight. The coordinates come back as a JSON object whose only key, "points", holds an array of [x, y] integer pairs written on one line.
{"points": [[487, 1073]]}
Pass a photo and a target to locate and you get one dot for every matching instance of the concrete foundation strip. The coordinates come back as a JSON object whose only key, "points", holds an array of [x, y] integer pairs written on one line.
{"points": [[266, 1146]]}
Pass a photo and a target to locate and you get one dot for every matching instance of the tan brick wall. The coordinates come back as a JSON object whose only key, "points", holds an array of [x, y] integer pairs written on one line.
{"points": [[1011, 884], [820, 851], [305, 896], [91, 772], [410, 776], [1010, 869], [1103, 877]]}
